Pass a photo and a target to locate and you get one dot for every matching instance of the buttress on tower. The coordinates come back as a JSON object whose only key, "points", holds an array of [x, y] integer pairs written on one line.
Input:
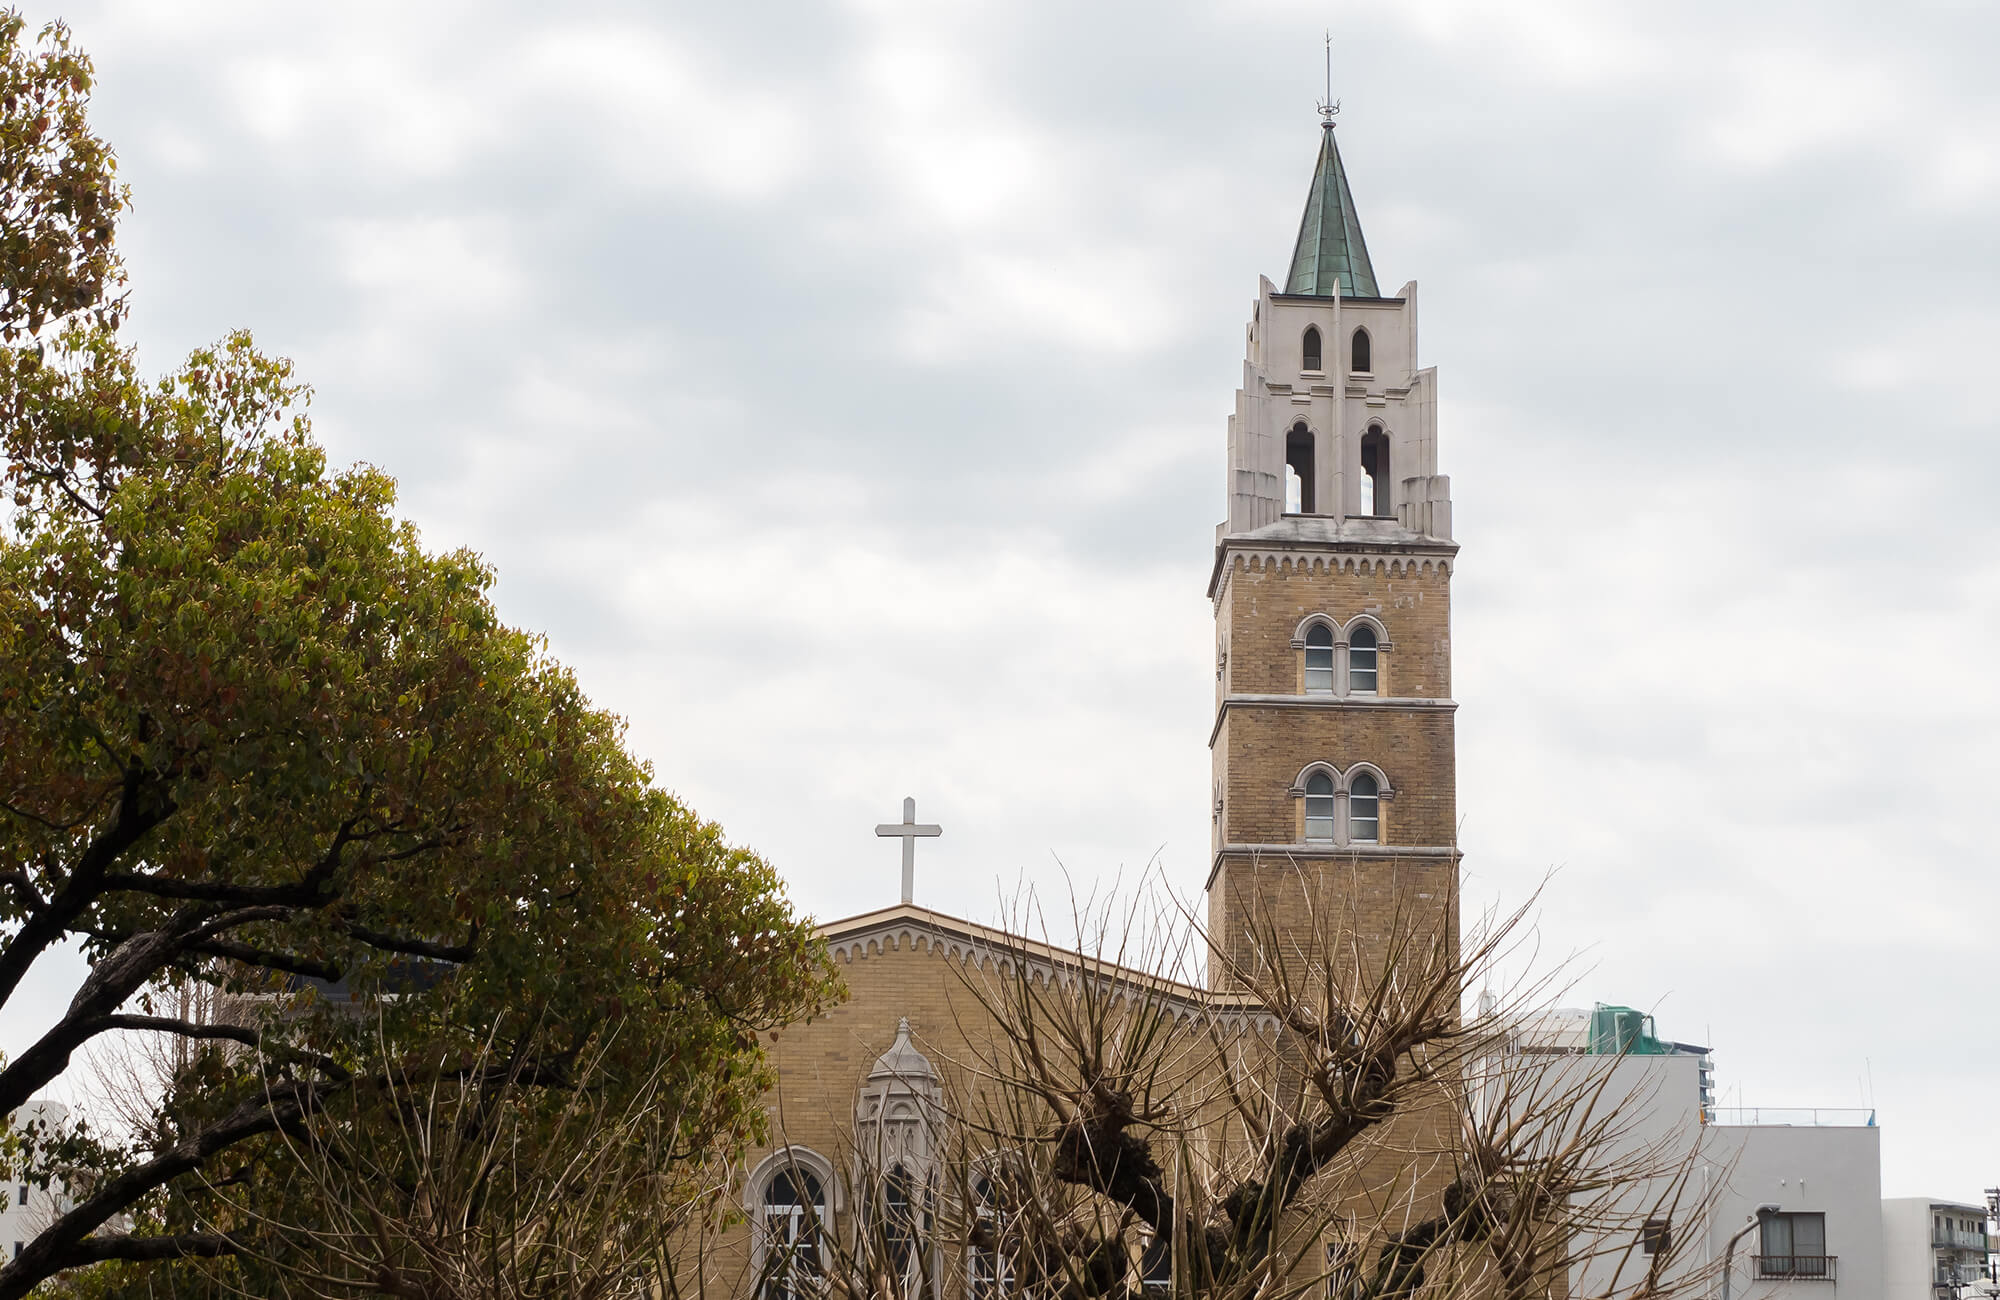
{"points": [[1332, 747]]}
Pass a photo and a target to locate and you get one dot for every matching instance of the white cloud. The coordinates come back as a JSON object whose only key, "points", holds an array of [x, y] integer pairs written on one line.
{"points": [[847, 401]]}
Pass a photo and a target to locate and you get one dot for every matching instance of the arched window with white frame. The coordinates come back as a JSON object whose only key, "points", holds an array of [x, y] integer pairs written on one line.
{"points": [[1310, 350], [1321, 809], [1319, 660], [1364, 809], [792, 1222], [904, 1231], [1361, 662], [989, 1273]]}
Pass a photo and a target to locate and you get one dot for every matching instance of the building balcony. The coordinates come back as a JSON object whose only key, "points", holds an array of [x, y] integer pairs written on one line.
{"points": [[1803, 1268]]}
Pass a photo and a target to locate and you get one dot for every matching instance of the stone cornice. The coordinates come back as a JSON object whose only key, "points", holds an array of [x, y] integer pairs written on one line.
{"points": [[1336, 702], [1333, 556], [1356, 854]]}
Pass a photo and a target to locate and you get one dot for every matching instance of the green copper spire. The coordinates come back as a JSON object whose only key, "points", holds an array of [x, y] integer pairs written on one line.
{"points": [[1331, 258]]}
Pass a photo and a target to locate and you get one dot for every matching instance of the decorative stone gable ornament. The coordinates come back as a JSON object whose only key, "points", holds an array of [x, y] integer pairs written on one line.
{"points": [[897, 1122]]}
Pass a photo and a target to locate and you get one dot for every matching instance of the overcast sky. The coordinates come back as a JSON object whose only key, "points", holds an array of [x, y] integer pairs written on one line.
{"points": [[842, 389]]}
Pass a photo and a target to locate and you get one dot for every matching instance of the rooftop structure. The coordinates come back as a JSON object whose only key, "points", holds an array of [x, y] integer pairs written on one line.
{"points": [[1331, 258]]}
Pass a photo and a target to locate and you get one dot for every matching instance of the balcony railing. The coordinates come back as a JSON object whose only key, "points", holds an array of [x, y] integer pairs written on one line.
{"points": [[1811, 1267], [1776, 1117]]}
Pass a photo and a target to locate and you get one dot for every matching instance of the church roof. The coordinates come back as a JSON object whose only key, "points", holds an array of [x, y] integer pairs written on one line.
{"points": [[1331, 258], [908, 928]]}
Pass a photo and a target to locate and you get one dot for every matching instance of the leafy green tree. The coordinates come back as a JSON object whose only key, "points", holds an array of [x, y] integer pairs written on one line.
{"points": [[253, 736]]}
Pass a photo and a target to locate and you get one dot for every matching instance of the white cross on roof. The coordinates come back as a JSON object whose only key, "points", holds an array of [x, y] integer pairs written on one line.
{"points": [[909, 832]]}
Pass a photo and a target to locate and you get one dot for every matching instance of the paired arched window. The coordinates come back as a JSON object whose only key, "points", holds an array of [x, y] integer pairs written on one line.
{"points": [[1310, 350], [1319, 660], [1341, 662], [1321, 809], [1342, 810], [1359, 358], [793, 1219]]}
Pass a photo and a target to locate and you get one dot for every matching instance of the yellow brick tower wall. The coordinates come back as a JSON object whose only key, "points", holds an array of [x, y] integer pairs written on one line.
{"points": [[1268, 730]]}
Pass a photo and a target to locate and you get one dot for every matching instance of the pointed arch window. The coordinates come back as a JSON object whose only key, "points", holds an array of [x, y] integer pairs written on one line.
{"points": [[1359, 350], [1299, 470], [1319, 808], [903, 1230], [990, 1271], [1364, 809], [1361, 648], [1319, 660], [793, 1219], [1375, 471], [1310, 350]]}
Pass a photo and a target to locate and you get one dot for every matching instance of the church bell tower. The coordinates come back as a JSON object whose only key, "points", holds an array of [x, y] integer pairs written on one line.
{"points": [[1332, 747]]}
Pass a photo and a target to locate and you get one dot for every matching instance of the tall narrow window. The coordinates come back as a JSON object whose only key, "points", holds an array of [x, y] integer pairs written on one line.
{"points": [[1319, 660], [1156, 1265], [1361, 661], [992, 1265], [1360, 358], [794, 1207], [1375, 469], [902, 1229], [1299, 461], [1364, 809], [1319, 809], [1341, 1258], [1311, 350]]}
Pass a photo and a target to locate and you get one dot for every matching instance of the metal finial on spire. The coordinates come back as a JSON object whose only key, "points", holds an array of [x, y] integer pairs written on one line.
{"points": [[1329, 108]]}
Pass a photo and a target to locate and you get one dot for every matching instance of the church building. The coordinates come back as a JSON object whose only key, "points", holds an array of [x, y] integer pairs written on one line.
{"points": [[1331, 745]]}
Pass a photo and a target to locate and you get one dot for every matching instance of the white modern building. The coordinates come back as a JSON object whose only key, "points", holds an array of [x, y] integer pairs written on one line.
{"points": [[1776, 1204], [1934, 1250], [29, 1207]]}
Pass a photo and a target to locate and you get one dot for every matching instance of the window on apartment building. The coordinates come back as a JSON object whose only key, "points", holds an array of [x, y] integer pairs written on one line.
{"points": [[1319, 660], [1794, 1245], [1657, 1237]]}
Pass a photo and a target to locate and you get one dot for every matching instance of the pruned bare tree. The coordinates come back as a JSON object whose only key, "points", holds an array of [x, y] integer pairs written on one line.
{"points": [[1319, 1111]]}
